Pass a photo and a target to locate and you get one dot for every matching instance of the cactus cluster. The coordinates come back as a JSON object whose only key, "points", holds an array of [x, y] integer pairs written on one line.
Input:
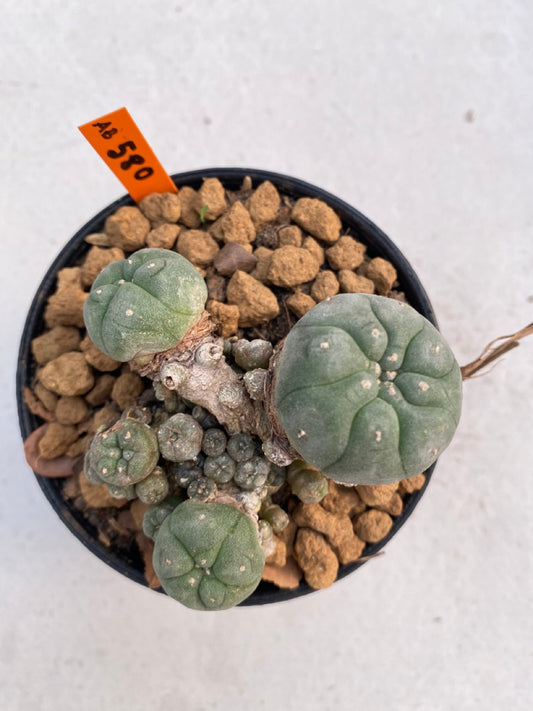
{"points": [[150, 453], [365, 390], [125, 457]]}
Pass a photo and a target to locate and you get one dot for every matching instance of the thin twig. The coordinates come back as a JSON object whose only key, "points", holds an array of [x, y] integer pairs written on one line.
{"points": [[491, 352], [370, 557]]}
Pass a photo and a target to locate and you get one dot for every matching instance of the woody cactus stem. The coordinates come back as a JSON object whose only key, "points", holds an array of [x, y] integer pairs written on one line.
{"points": [[203, 376]]}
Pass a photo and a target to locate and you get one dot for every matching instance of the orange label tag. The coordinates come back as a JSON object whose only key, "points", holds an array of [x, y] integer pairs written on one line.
{"points": [[120, 144]]}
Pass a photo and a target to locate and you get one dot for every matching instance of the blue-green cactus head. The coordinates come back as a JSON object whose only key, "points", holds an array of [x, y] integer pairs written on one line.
{"points": [[144, 304], [208, 556], [367, 390]]}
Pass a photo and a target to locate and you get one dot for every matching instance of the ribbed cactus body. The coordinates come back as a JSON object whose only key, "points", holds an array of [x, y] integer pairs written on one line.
{"points": [[208, 556], [367, 390], [144, 304], [122, 455]]}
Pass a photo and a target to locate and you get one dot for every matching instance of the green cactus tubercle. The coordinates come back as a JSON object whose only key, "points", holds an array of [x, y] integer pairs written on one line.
{"points": [[208, 555], [367, 390], [144, 304], [122, 455]]}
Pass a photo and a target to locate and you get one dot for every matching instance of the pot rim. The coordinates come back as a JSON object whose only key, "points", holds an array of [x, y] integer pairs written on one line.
{"points": [[359, 226]]}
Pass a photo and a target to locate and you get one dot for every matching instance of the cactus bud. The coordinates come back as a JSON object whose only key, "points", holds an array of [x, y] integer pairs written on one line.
{"points": [[306, 482], [250, 355], [277, 517], [252, 473], [155, 515], [241, 447], [201, 489], [180, 438], [154, 488], [220, 469], [214, 442]]}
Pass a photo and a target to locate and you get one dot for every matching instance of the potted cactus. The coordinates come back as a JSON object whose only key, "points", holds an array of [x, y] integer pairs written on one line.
{"points": [[235, 436]]}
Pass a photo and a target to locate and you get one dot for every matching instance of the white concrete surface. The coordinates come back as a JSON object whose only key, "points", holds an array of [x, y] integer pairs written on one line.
{"points": [[420, 115]]}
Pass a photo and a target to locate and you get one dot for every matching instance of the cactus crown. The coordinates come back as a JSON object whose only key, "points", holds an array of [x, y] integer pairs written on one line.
{"points": [[367, 390], [208, 556], [144, 304]]}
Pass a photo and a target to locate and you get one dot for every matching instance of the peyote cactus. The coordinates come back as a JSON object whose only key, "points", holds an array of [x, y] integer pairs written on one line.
{"points": [[367, 390], [363, 390], [208, 556], [144, 304], [235, 443], [122, 455]]}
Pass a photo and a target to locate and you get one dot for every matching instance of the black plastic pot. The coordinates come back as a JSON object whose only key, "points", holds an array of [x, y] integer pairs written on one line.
{"points": [[378, 244]]}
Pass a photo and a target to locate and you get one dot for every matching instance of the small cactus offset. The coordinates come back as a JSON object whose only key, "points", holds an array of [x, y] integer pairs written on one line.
{"points": [[306, 482], [122, 456], [367, 390], [144, 304], [208, 555]]}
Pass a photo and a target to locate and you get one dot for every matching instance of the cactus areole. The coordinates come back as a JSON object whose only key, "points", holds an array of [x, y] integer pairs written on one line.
{"points": [[367, 390], [144, 304]]}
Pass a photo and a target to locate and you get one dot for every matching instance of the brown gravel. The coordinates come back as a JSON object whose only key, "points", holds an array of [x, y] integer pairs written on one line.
{"points": [[377, 495], [56, 440], [190, 205], [317, 218], [198, 247], [233, 257], [235, 226], [343, 500], [372, 525], [97, 258], [337, 528], [291, 266], [263, 204], [161, 207], [299, 303], [264, 258], [346, 253], [128, 228], [65, 306], [163, 236], [213, 196], [290, 235], [68, 374], [225, 316], [48, 398], [316, 558], [382, 273], [71, 410], [54, 343], [101, 392], [126, 389], [352, 283], [96, 358], [415, 483], [257, 303], [325, 285]]}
